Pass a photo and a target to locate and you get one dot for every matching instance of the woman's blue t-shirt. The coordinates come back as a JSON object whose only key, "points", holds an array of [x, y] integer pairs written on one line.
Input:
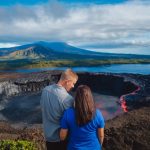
{"points": [[82, 137]]}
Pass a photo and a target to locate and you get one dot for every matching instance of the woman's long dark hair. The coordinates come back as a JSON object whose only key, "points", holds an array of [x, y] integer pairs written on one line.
{"points": [[84, 105]]}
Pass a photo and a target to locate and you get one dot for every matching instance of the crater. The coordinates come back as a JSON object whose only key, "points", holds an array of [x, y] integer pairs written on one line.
{"points": [[108, 92]]}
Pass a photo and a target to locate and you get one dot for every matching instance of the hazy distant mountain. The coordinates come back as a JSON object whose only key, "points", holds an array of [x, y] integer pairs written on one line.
{"points": [[56, 50], [31, 52]]}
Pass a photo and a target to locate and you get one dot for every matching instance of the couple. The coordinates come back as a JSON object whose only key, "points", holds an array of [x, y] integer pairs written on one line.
{"points": [[71, 124]]}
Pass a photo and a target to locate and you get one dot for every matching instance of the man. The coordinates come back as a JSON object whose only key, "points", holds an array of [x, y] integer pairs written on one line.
{"points": [[54, 100]]}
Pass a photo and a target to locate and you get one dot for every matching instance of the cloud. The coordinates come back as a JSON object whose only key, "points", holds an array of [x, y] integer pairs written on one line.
{"points": [[80, 25], [5, 45]]}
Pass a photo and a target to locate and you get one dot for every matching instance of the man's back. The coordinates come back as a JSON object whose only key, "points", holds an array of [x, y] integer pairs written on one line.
{"points": [[54, 100]]}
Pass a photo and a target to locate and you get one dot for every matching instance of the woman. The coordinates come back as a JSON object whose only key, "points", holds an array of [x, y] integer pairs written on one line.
{"points": [[84, 123]]}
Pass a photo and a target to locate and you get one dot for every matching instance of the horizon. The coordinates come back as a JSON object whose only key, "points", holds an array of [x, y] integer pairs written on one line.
{"points": [[115, 26], [37, 42]]}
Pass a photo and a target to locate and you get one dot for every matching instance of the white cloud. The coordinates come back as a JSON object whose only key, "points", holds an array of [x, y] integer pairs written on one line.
{"points": [[77, 25], [6, 45]]}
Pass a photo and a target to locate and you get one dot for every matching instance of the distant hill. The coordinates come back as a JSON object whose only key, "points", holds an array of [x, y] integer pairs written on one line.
{"points": [[57, 50]]}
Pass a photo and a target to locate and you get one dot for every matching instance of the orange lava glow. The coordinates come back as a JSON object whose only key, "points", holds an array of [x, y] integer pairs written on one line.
{"points": [[123, 101]]}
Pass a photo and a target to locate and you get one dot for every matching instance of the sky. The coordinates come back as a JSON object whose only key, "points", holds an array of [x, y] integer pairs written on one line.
{"points": [[118, 26]]}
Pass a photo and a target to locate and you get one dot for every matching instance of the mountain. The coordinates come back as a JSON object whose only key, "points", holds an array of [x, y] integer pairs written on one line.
{"points": [[31, 52], [56, 50], [62, 47]]}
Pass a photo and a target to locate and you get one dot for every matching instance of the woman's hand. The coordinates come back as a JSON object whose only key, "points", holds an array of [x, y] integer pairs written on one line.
{"points": [[63, 134]]}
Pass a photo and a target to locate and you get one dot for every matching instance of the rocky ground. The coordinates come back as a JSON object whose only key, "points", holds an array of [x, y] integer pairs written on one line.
{"points": [[130, 131], [22, 132]]}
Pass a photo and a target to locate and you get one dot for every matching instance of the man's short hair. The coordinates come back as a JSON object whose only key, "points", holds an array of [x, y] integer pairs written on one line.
{"points": [[68, 75]]}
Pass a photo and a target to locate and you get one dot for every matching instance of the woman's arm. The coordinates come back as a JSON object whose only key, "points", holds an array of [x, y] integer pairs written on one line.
{"points": [[101, 135], [63, 134]]}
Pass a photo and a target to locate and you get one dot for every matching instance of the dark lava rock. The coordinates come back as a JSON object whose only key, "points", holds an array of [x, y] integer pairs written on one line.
{"points": [[130, 131]]}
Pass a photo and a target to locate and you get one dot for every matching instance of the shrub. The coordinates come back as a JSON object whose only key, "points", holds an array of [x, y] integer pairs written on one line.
{"points": [[17, 145]]}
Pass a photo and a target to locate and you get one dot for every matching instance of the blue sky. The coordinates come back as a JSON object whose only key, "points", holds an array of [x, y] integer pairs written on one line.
{"points": [[23, 2], [119, 26], [33, 2]]}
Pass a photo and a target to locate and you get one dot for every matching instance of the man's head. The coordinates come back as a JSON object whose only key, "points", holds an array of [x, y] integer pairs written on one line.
{"points": [[68, 79]]}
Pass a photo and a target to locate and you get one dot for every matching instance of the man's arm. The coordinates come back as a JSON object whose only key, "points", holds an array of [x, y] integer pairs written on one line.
{"points": [[101, 135], [63, 134]]}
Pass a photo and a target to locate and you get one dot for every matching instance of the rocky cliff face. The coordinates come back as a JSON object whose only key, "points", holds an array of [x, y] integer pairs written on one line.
{"points": [[141, 96], [107, 83], [101, 83], [30, 83], [134, 90], [8, 88]]}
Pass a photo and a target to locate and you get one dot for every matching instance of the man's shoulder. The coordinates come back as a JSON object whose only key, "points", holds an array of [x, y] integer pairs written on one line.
{"points": [[48, 87]]}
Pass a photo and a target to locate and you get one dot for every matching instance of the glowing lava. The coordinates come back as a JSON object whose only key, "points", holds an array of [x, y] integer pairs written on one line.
{"points": [[123, 101]]}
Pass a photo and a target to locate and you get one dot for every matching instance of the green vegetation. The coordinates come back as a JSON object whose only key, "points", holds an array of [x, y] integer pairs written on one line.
{"points": [[14, 64], [85, 63], [17, 64], [16, 145]]}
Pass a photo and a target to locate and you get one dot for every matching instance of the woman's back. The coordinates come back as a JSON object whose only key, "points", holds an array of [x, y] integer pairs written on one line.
{"points": [[82, 137]]}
